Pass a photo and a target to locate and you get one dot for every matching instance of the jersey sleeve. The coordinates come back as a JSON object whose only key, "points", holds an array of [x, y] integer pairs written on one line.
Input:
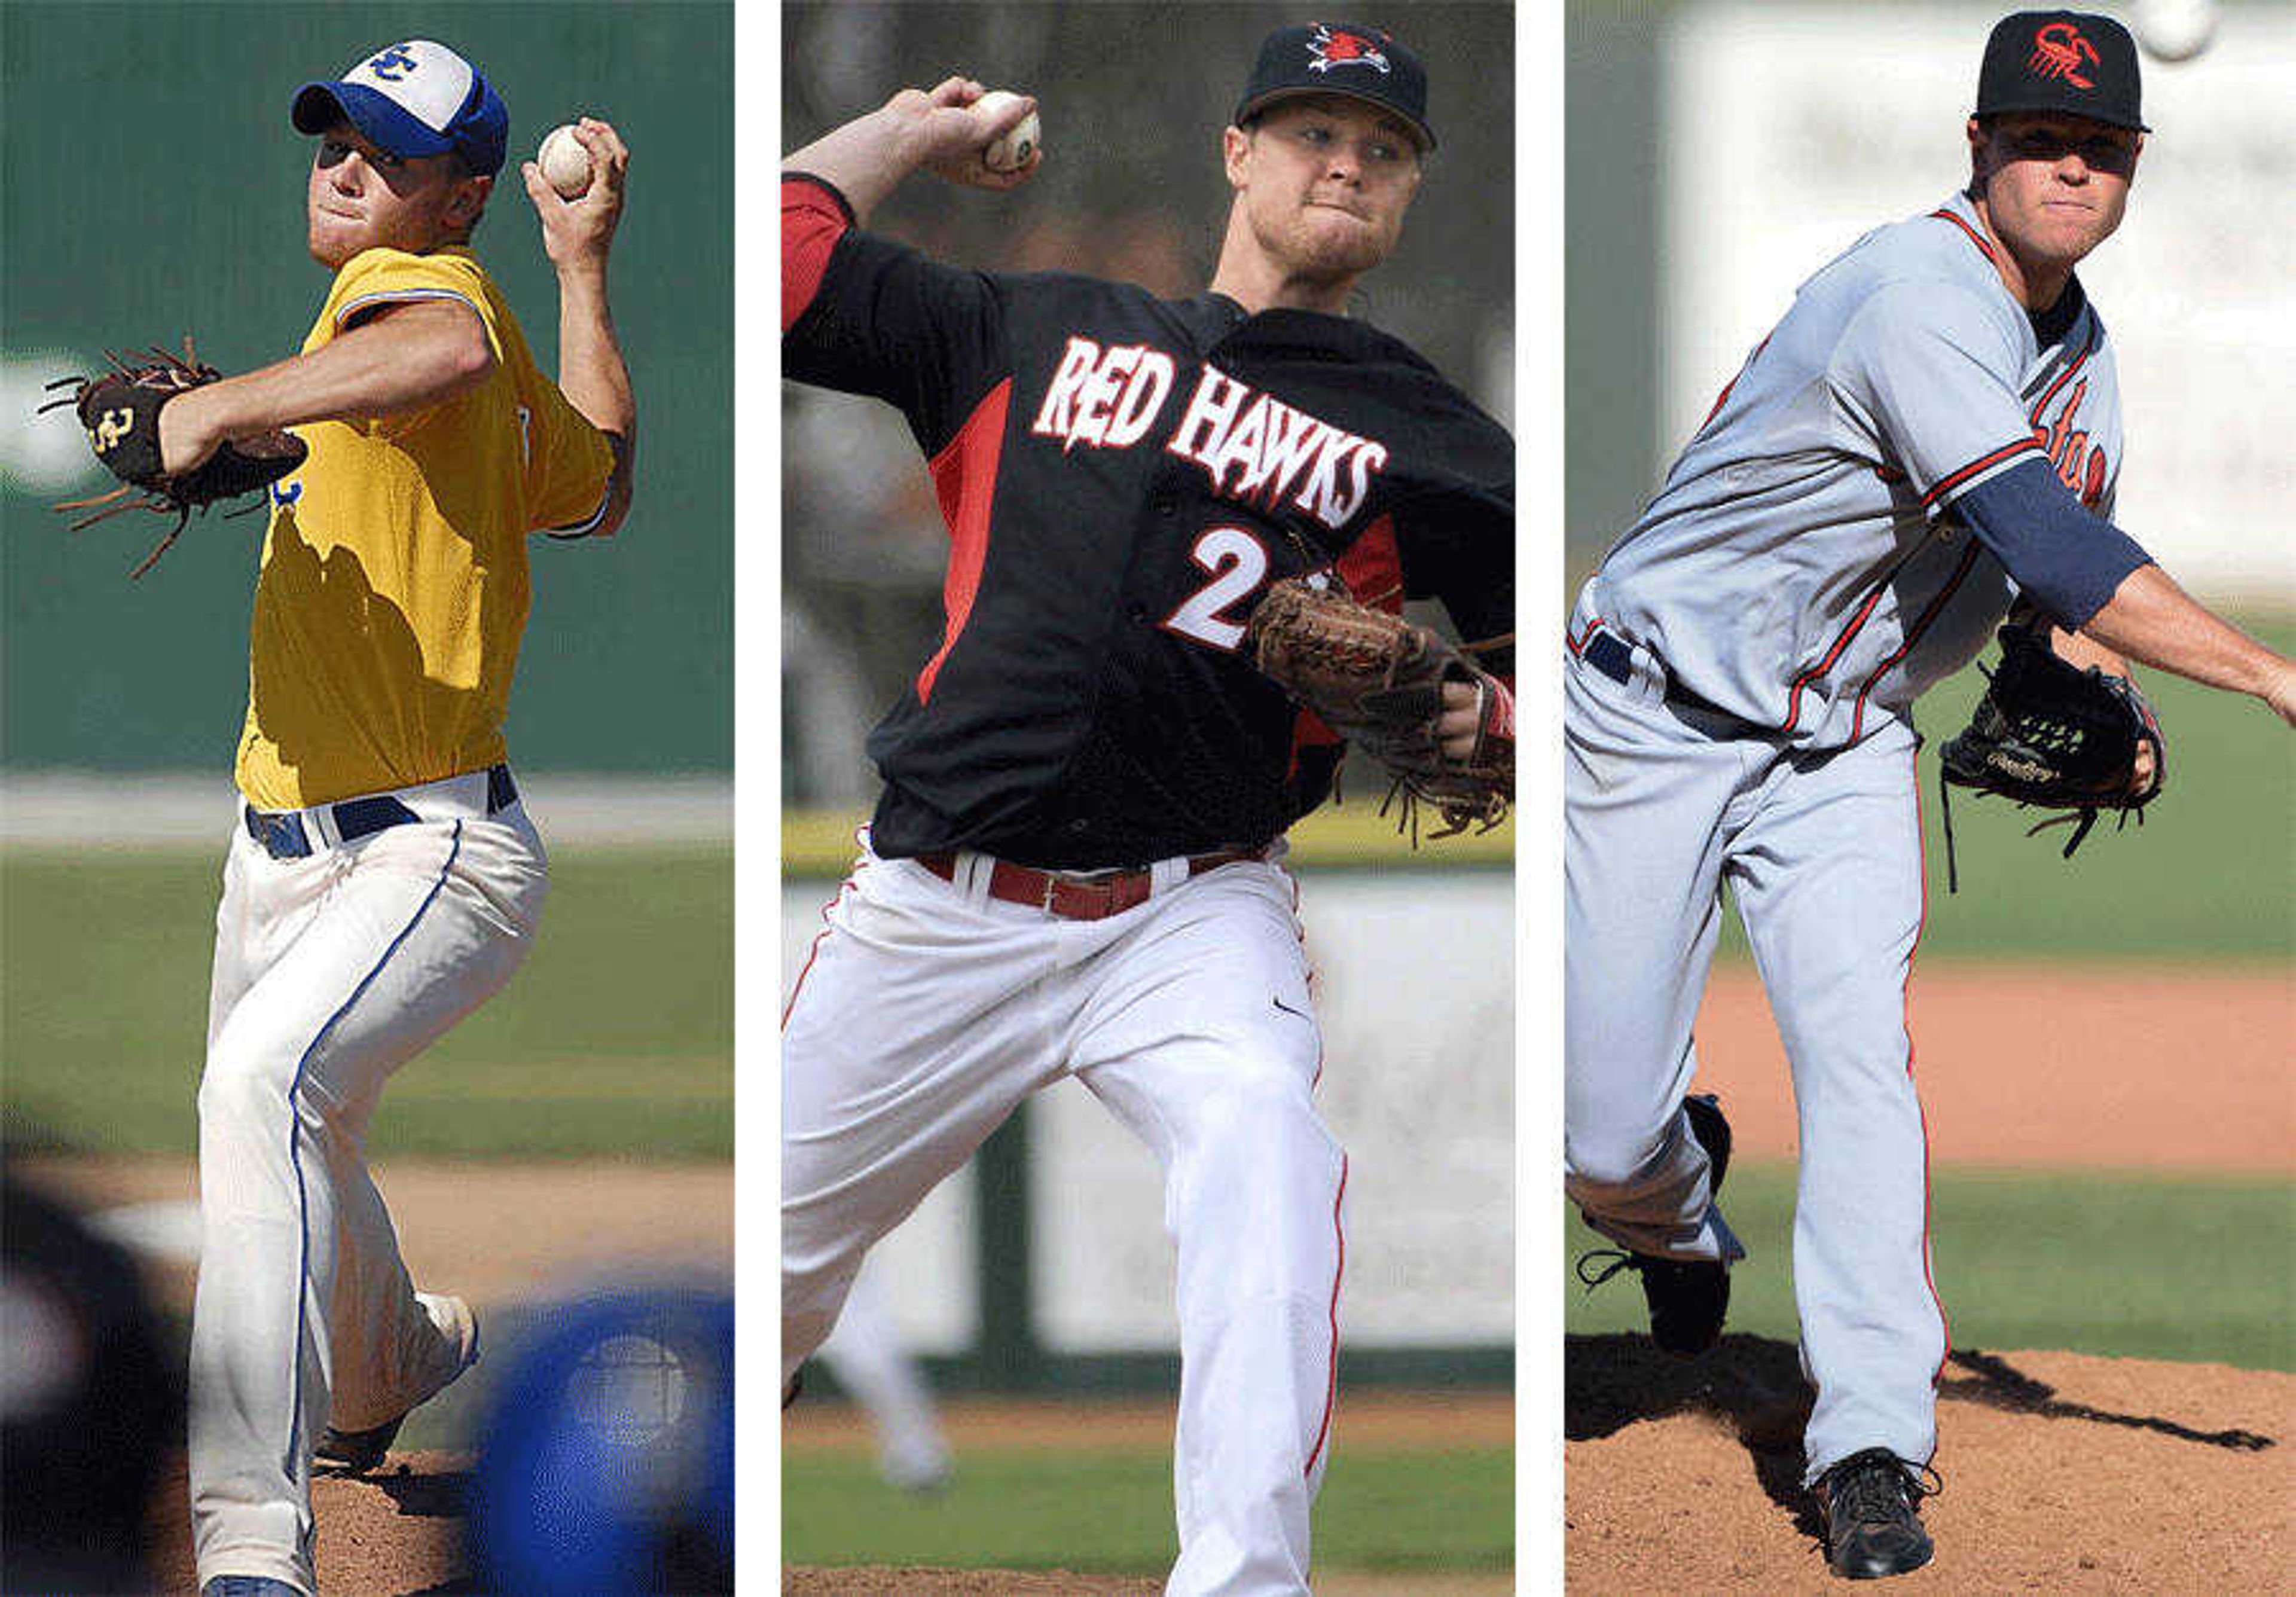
{"points": [[1929, 374], [569, 463], [2064, 556], [1456, 543], [375, 279], [865, 315]]}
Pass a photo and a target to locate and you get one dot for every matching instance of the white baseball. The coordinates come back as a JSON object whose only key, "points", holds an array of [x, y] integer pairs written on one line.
{"points": [[564, 163], [2174, 29], [1017, 147]]}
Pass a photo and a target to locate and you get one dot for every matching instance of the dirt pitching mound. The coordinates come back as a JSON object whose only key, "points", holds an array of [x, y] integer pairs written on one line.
{"points": [[396, 1533], [1023, 1582], [2062, 1472]]}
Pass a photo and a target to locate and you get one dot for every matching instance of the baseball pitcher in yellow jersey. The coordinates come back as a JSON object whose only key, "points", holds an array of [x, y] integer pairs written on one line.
{"points": [[383, 879]]}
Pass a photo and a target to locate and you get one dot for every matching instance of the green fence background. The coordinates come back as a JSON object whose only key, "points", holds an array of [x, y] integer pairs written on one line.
{"points": [[150, 186]]}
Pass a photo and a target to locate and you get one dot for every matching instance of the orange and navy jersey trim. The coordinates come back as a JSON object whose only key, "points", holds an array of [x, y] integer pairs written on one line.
{"points": [[1922, 623], [1857, 623], [1983, 464], [2066, 376], [1984, 245]]}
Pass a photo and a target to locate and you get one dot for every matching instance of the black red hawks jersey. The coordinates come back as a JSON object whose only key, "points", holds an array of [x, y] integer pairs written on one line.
{"points": [[1122, 476]]}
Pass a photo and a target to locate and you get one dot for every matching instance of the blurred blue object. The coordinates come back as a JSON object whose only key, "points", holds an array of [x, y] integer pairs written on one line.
{"points": [[606, 1454]]}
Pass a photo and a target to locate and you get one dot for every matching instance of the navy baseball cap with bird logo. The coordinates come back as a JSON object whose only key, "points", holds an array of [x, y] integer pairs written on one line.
{"points": [[2064, 61], [1339, 58]]}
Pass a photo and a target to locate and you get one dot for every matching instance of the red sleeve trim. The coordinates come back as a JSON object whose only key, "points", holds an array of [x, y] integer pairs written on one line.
{"points": [[814, 217], [1984, 463], [964, 476]]}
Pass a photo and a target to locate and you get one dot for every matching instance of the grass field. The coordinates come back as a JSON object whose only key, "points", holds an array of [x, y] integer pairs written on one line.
{"points": [[2107, 1264], [1110, 1513], [615, 1038]]}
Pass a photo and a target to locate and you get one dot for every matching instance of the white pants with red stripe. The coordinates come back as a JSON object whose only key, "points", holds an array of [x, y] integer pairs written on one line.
{"points": [[331, 971], [1823, 855], [929, 1010]]}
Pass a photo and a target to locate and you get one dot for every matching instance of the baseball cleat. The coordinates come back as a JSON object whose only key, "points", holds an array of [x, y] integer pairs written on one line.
{"points": [[1872, 1528], [1688, 1298], [248, 1585], [359, 1451]]}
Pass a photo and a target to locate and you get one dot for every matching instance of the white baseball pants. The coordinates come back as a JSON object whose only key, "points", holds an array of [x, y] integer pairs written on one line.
{"points": [[929, 1010], [331, 971]]}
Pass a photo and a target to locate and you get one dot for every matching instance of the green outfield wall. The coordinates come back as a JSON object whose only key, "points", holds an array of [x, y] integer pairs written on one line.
{"points": [[153, 191]]}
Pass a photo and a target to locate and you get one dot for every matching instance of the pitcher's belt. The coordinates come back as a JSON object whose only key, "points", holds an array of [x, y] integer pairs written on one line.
{"points": [[1613, 657], [1074, 897], [299, 834]]}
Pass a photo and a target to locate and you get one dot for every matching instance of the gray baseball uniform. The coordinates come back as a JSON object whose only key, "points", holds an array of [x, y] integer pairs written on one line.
{"points": [[1742, 672]]}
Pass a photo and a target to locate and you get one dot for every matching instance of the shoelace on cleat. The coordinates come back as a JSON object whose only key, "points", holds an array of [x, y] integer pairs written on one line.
{"points": [[1619, 1259], [1876, 1485]]}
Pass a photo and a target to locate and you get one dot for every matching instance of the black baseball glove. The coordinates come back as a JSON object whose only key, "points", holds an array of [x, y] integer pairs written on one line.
{"points": [[1377, 680], [2055, 736], [120, 411]]}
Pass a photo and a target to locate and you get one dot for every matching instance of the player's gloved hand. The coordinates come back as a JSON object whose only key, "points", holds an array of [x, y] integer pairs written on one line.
{"points": [[167, 461], [1444, 730], [2050, 733], [944, 135]]}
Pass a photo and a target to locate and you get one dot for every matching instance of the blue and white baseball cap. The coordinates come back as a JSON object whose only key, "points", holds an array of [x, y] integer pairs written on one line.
{"points": [[413, 99]]}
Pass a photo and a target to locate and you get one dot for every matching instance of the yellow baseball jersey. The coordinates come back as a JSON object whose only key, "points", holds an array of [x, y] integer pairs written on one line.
{"points": [[394, 586]]}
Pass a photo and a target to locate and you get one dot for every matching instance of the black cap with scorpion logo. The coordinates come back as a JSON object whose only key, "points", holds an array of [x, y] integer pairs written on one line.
{"points": [[2062, 61]]}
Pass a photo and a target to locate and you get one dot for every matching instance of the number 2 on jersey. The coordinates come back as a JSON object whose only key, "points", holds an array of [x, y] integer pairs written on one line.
{"points": [[1237, 561]]}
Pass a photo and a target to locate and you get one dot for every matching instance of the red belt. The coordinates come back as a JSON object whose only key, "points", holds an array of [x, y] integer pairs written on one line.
{"points": [[1071, 898]]}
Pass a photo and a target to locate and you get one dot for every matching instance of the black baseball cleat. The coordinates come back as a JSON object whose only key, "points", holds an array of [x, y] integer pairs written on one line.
{"points": [[1872, 1528], [1687, 1298]]}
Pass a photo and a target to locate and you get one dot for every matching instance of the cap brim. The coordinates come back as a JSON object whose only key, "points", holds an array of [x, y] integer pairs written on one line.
{"points": [[2057, 108], [389, 126], [1420, 131]]}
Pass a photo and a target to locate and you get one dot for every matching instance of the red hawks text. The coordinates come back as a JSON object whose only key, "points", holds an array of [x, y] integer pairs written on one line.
{"points": [[1255, 448], [1104, 397]]}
